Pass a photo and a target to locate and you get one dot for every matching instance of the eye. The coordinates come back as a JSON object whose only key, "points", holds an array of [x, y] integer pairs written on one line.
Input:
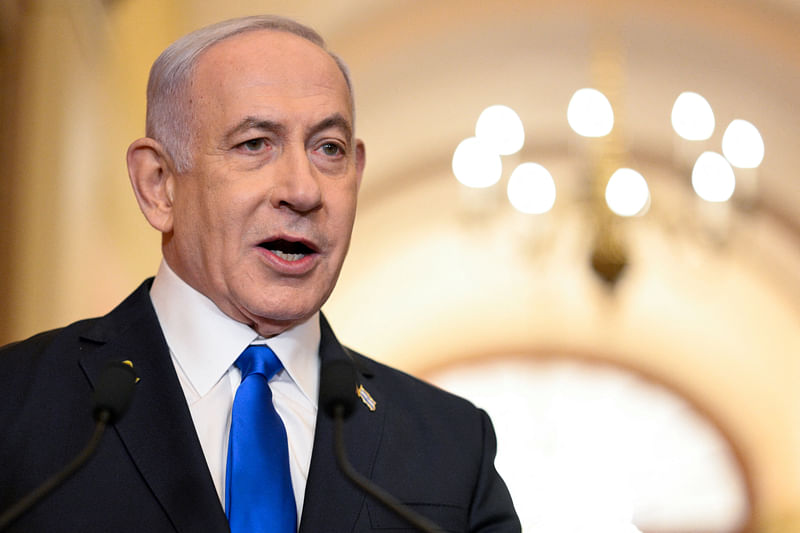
{"points": [[253, 145], [331, 149]]}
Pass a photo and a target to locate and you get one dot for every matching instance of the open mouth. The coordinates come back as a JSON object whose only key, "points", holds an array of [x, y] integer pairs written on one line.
{"points": [[287, 250]]}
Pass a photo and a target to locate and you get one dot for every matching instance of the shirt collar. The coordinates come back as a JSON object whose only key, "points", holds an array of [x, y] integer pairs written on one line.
{"points": [[205, 342]]}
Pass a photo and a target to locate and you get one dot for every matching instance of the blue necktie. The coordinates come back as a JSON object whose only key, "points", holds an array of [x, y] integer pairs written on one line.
{"points": [[259, 496]]}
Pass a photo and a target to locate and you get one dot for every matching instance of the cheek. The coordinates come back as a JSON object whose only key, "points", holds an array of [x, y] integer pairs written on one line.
{"points": [[202, 221], [345, 213]]}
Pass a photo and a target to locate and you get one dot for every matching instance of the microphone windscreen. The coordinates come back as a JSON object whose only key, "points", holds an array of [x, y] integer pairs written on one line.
{"points": [[114, 391], [337, 386]]}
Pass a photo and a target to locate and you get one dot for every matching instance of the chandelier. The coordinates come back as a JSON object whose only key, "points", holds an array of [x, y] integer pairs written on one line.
{"points": [[616, 190]]}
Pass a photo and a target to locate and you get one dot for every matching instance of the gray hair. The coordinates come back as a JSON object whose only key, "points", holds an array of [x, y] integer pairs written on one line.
{"points": [[168, 113]]}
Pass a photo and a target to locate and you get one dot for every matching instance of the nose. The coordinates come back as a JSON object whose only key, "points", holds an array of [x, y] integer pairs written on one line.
{"points": [[296, 183]]}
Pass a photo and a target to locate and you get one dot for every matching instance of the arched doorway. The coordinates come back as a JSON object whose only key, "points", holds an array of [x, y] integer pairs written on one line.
{"points": [[586, 445]]}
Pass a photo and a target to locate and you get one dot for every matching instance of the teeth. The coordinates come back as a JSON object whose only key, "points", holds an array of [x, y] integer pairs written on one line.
{"points": [[288, 257]]}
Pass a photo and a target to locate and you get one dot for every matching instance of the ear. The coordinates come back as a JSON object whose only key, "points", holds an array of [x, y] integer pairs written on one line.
{"points": [[153, 181], [361, 161]]}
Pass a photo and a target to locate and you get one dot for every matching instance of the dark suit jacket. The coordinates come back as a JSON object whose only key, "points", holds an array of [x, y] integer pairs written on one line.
{"points": [[431, 449]]}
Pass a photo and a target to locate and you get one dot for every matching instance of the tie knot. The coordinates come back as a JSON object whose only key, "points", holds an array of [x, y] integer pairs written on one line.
{"points": [[258, 359]]}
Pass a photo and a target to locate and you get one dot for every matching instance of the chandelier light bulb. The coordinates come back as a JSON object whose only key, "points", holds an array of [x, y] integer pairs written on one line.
{"points": [[692, 117], [531, 189], [712, 178], [627, 193], [742, 144], [475, 164], [590, 114], [501, 128]]}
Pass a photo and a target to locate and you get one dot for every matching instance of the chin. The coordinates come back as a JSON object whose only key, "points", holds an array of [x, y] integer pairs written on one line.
{"points": [[281, 304], [278, 318]]}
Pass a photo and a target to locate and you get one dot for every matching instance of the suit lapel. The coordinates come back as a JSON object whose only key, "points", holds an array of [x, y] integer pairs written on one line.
{"points": [[157, 431], [332, 502]]}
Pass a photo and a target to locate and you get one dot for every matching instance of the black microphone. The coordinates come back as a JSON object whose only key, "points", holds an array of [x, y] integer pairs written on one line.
{"points": [[337, 392], [111, 399]]}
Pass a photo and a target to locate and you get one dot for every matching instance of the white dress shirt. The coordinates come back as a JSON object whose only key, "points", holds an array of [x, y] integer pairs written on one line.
{"points": [[204, 343]]}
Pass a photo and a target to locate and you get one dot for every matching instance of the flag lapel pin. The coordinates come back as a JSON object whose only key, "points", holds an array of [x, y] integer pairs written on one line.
{"points": [[368, 400]]}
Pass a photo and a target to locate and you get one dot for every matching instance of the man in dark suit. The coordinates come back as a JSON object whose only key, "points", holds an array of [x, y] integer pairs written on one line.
{"points": [[250, 170]]}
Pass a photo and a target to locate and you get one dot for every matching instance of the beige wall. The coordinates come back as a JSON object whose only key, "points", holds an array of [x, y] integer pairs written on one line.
{"points": [[77, 236]]}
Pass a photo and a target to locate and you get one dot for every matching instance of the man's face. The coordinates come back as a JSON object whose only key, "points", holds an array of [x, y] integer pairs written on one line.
{"points": [[261, 222]]}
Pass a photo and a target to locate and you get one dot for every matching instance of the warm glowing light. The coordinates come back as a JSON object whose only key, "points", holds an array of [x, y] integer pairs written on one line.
{"points": [[475, 164], [692, 117], [742, 144], [501, 128], [627, 193], [590, 113], [531, 189], [712, 177]]}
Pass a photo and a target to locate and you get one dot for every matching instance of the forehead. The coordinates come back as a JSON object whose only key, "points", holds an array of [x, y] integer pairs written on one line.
{"points": [[273, 69]]}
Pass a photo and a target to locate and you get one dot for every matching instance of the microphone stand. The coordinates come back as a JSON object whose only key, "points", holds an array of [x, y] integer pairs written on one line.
{"points": [[112, 395], [415, 519]]}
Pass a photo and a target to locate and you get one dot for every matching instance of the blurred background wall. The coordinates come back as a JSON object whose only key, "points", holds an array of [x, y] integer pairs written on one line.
{"points": [[691, 305]]}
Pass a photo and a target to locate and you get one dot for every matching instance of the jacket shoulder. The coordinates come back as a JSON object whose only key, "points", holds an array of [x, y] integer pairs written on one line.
{"points": [[441, 445]]}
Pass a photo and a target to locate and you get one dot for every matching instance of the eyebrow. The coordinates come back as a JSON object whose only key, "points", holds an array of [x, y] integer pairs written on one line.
{"points": [[336, 120], [249, 123]]}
